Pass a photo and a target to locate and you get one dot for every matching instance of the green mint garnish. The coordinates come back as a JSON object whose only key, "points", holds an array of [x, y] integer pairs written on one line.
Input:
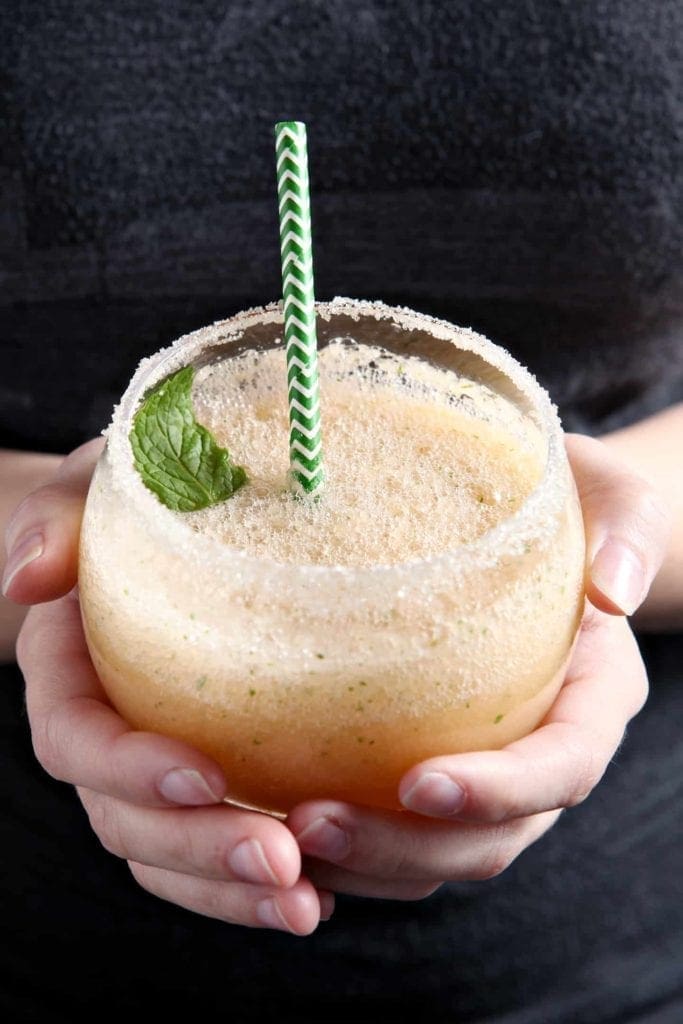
{"points": [[177, 457]]}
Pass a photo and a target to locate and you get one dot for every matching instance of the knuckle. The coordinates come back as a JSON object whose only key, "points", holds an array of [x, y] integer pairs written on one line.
{"points": [[490, 868], [419, 891], [196, 850], [536, 826], [640, 695], [45, 737], [586, 773], [16, 519], [396, 863], [640, 687], [650, 510], [648, 520], [500, 853], [105, 823], [508, 806], [143, 875], [51, 493], [33, 508], [22, 644], [188, 850]]}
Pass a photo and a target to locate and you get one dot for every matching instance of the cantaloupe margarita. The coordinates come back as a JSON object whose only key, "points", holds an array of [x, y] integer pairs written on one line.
{"points": [[427, 603]]}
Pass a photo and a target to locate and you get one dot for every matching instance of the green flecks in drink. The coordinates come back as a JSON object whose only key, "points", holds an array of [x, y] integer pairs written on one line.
{"points": [[201, 682], [497, 719], [252, 691], [318, 655], [177, 458]]}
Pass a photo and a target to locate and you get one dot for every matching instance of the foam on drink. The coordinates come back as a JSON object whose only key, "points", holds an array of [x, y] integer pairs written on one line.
{"points": [[433, 621], [417, 461]]}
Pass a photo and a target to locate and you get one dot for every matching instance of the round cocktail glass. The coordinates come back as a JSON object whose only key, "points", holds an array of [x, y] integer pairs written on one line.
{"points": [[308, 681]]}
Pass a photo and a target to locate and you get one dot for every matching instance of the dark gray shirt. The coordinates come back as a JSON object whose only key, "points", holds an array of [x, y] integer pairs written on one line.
{"points": [[515, 166]]}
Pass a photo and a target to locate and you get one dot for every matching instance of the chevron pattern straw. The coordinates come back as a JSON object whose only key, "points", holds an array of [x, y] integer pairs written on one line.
{"points": [[305, 444]]}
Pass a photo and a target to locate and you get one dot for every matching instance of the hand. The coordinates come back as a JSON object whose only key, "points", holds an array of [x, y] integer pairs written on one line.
{"points": [[473, 814], [153, 801], [507, 805]]}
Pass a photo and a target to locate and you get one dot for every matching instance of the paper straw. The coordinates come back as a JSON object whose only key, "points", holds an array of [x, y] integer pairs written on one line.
{"points": [[305, 444]]}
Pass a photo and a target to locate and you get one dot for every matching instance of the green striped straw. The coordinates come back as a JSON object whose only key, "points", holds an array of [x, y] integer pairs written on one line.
{"points": [[305, 444]]}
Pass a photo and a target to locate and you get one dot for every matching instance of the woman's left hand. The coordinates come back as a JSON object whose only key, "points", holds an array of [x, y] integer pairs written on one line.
{"points": [[473, 814]]}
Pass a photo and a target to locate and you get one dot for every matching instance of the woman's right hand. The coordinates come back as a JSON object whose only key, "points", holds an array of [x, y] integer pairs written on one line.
{"points": [[156, 802]]}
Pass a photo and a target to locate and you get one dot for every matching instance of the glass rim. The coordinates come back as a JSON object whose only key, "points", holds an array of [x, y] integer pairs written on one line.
{"points": [[534, 520]]}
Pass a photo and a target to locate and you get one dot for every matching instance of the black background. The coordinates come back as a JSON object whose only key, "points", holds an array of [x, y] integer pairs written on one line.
{"points": [[510, 165]]}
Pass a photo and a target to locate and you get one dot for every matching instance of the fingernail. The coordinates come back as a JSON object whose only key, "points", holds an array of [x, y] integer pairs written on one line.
{"points": [[250, 864], [324, 838], [435, 793], [268, 912], [24, 552], [187, 786], [620, 575], [326, 904]]}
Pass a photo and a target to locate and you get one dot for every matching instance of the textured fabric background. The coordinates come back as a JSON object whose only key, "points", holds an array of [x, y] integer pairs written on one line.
{"points": [[513, 165]]}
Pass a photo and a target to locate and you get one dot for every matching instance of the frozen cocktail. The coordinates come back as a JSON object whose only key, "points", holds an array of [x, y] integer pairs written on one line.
{"points": [[425, 603]]}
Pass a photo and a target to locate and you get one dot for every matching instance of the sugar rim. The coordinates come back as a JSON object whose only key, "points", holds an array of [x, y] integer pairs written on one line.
{"points": [[535, 520]]}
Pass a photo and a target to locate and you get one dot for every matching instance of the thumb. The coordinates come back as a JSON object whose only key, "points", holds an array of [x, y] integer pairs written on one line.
{"points": [[627, 527], [43, 532]]}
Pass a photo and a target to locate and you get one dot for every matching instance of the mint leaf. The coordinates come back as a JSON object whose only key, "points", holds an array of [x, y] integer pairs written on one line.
{"points": [[177, 457]]}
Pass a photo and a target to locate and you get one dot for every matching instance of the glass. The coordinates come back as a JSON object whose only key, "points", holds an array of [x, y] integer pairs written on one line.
{"points": [[308, 681]]}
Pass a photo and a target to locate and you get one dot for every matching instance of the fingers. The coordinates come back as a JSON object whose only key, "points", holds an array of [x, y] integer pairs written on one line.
{"points": [[496, 802], [42, 535], [297, 910], [557, 765], [79, 738], [627, 527], [401, 856], [350, 883], [236, 865], [221, 843]]}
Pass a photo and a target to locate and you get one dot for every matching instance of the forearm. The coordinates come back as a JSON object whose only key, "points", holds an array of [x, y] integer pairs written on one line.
{"points": [[654, 449], [20, 473]]}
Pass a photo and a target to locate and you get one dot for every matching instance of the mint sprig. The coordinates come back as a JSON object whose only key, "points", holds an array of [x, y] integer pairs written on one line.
{"points": [[177, 457]]}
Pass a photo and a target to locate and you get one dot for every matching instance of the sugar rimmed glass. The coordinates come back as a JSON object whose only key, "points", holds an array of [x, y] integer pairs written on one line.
{"points": [[327, 681]]}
